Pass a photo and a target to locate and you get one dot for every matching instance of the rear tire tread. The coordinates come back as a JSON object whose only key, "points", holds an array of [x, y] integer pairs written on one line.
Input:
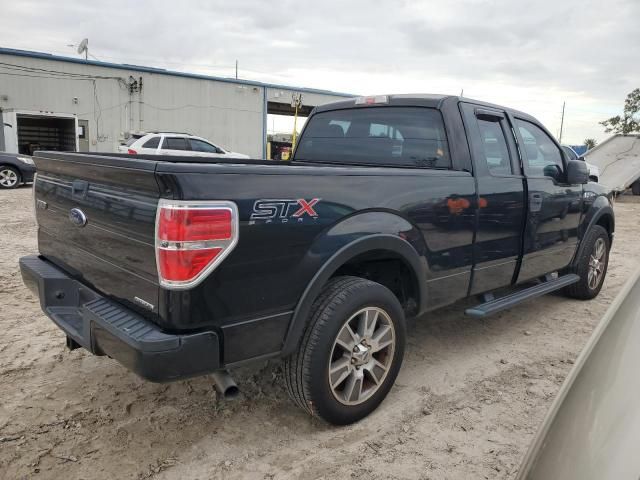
{"points": [[580, 289], [296, 366]]}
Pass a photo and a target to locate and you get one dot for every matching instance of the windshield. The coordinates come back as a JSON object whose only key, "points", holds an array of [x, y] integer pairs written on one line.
{"points": [[571, 155], [390, 136]]}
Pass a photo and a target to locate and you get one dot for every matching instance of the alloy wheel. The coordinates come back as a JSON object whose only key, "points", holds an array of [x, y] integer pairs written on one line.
{"points": [[596, 264], [361, 356], [8, 178]]}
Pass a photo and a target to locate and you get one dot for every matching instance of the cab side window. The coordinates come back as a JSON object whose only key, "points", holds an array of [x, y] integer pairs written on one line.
{"points": [[174, 143], [571, 155], [542, 157], [495, 148], [202, 146]]}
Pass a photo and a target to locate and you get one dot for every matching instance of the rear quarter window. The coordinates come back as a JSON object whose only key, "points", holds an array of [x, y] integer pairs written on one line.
{"points": [[132, 139], [153, 142], [388, 136]]}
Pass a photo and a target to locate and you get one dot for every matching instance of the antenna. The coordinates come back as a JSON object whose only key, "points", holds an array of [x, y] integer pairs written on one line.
{"points": [[84, 48]]}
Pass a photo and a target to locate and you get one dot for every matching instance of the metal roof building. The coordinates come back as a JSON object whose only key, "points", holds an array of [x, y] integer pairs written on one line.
{"points": [[43, 95]]}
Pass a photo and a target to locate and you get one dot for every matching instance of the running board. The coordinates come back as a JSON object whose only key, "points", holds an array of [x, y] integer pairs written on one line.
{"points": [[492, 306]]}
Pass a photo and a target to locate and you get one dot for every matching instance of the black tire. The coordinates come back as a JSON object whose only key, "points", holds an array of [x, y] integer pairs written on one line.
{"points": [[10, 177], [582, 290], [635, 187], [307, 370]]}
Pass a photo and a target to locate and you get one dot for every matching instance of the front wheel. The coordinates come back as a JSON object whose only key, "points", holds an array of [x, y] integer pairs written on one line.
{"points": [[635, 187], [9, 177], [350, 353], [591, 265]]}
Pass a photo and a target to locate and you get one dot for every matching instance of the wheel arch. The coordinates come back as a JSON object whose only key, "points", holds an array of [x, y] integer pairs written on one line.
{"points": [[603, 217], [380, 246]]}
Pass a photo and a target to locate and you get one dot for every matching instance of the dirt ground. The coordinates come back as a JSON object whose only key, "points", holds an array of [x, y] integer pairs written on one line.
{"points": [[468, 400]]}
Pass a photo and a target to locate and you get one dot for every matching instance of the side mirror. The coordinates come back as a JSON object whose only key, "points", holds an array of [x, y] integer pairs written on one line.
{"points": [[577, 172], [552, 171]]}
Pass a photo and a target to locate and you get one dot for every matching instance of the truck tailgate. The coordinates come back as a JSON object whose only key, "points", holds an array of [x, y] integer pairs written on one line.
{"points": [[96, 220]]}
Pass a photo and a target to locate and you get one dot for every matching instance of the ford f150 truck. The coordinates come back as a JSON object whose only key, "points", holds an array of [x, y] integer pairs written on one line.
{"points": [[392, 206]]}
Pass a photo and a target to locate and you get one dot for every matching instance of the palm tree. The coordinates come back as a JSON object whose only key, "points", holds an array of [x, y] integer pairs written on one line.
{"points": [[590, 143]]}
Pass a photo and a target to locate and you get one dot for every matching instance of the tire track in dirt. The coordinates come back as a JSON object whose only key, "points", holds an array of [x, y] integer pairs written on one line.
{"points": [[468, 400]]}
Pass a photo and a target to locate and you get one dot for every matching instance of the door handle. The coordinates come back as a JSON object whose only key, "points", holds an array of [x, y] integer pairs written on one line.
{"points": [[535, 202]]}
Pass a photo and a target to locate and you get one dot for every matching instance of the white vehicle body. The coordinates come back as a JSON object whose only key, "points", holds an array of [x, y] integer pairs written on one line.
{"points": [[594, 171], [168, 143]]}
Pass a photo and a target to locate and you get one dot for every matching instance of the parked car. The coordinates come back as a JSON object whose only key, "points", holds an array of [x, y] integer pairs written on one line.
{"points": [[168, 143], [594, 171], [592, 430], [392, 206], [15, 169]]}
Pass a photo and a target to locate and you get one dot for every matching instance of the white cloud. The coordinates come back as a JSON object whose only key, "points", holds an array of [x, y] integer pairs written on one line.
{"points": [[527, 55]]}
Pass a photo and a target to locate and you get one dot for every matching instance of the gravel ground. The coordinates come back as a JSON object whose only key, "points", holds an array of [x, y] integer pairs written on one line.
{"points": [[468, 400]]}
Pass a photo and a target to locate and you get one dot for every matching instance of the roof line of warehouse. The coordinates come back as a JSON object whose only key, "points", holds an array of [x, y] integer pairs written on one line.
{"points": [[163, 71]]}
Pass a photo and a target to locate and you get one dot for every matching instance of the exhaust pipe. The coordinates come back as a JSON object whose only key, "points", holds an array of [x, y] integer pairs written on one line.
{"points": [[225, 385]]}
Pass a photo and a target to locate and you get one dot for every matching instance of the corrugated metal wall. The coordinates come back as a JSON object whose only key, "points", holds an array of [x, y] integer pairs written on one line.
{"points": [[230, 114]]}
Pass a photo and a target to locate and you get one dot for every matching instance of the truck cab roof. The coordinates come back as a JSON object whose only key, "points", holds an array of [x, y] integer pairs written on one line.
{"points": [[412, 99]]}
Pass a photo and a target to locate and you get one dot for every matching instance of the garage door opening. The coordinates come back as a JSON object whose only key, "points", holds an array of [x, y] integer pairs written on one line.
{"points": [[45, 133]]}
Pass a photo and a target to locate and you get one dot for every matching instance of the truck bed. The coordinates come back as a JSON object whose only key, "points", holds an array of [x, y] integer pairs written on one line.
{"points": [[167, 158], [114, 253]]}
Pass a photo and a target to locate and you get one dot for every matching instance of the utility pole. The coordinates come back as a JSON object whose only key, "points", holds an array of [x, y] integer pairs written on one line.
{"points": [[562, 122], [296, 103], [236, 69], [140, 106]]}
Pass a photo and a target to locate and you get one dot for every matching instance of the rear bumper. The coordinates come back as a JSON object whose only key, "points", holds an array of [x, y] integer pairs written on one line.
{"points": [[105, 327]]}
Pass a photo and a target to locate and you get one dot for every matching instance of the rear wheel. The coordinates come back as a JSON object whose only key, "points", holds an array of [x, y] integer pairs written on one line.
{"points": [[351, 352], [591, 265], [9, 177]]}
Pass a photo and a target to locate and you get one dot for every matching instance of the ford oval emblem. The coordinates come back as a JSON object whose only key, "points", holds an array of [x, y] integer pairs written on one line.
{"points": [[77, 217]]}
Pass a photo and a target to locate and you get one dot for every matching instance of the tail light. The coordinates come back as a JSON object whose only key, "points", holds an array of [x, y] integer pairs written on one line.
{"points": [[192, 238], [131, 151], [35, 198]]}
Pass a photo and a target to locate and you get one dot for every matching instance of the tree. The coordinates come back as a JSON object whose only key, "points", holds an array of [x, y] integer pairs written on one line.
{"points": [[630, 119], [590, 143]]}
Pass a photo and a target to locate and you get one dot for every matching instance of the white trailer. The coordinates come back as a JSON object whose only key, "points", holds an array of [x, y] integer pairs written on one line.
{"points": [[25, 131], [618, 158]]}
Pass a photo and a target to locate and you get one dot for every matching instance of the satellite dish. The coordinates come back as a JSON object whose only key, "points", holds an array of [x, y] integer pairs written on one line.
{"points": [[83, 47]]}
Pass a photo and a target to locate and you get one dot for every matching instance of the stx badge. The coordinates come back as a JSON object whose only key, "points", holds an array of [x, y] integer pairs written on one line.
{"points": [[283, 211]]}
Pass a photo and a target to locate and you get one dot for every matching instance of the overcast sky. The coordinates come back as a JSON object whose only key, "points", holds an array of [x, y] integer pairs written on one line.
{"points": [[529, 55]]}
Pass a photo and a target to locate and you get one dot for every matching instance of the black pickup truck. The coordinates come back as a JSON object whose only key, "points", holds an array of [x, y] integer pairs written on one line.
{"points": [[392, 206]]}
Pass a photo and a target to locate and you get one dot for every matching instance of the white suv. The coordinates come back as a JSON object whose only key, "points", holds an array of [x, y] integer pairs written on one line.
{"points": [[169, 143]]}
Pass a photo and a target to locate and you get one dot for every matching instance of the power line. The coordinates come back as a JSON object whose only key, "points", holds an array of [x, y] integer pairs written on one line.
{"points": [[44, 76], [12, 66], [181, 107], [104, 109]]}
